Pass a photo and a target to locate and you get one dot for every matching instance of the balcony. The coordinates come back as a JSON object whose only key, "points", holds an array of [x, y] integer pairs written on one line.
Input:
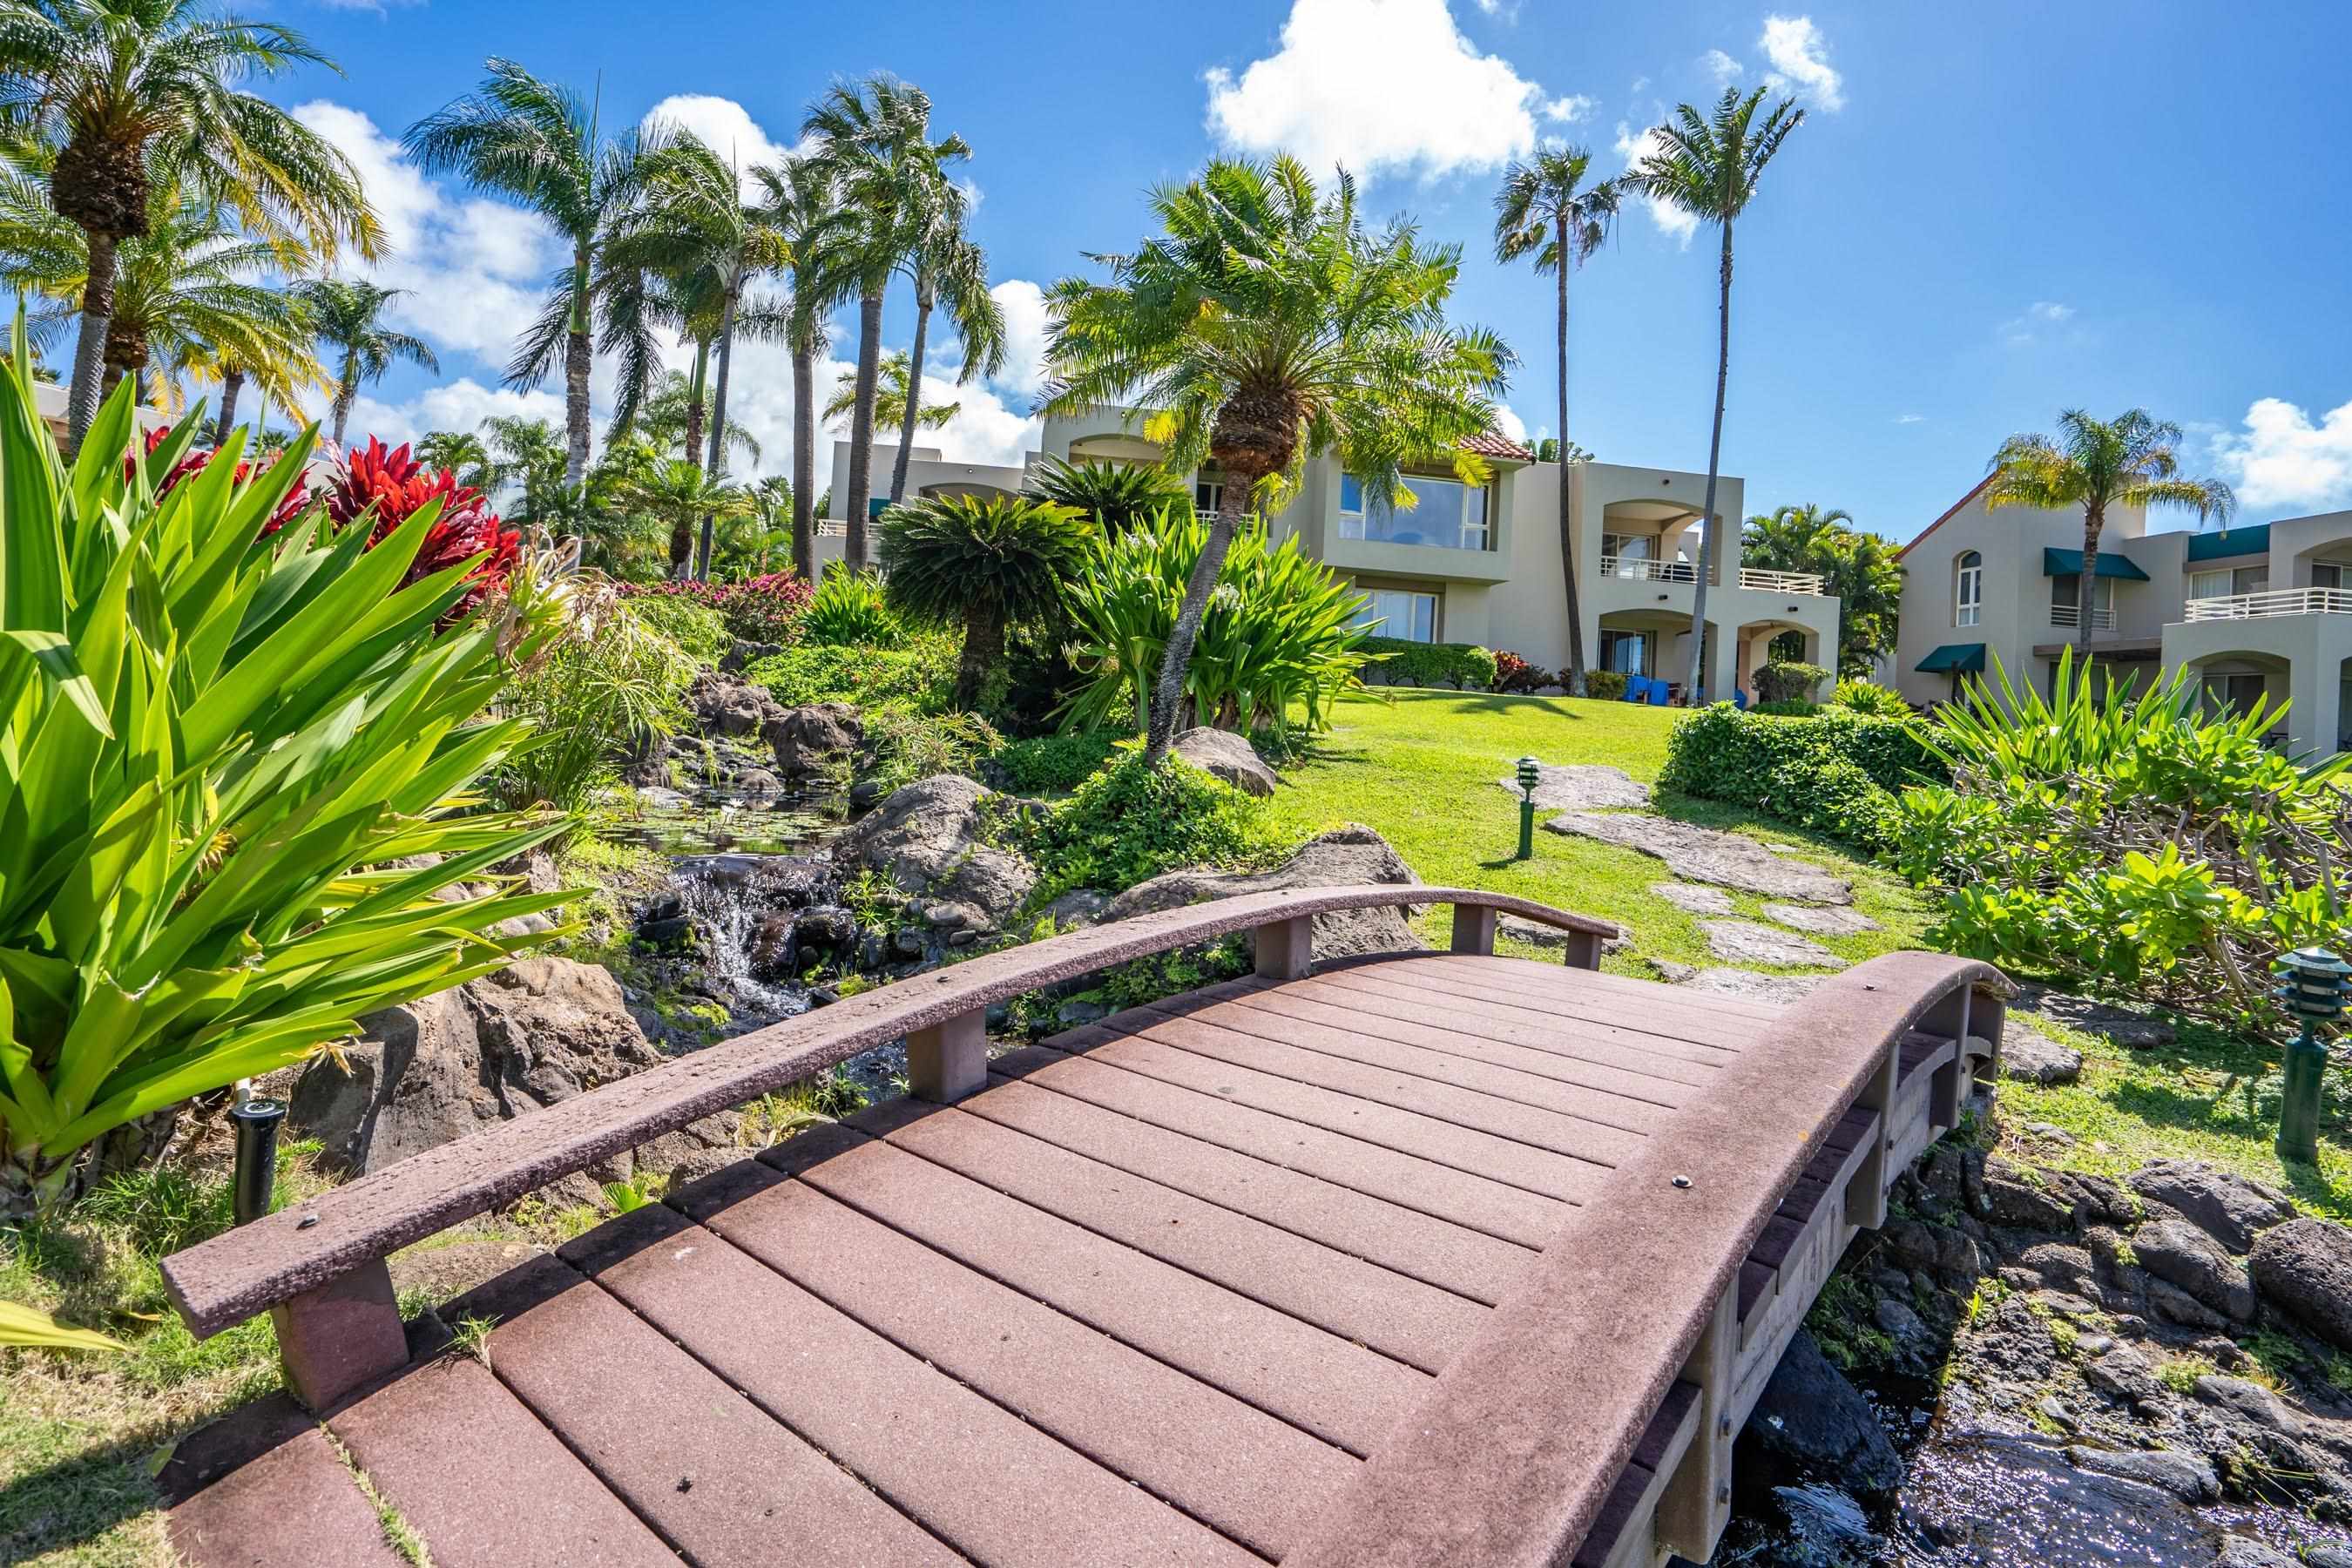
{"points": [[1783, 582], [2277, 602], [2102, 619], [1642, 568]]}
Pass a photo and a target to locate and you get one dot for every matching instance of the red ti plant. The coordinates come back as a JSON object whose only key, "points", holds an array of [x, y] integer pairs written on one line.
{"points": [[396, 484]]}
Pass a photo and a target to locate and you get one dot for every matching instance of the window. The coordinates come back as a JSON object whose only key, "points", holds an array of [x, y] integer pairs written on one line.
{"points": [[2234, 694], [2065, 600], [1446, 513], [1209, 490], [2326, 574], [1625, 652], [2250, 580], [2210, 585], [1968, 594], [1399, 613]]}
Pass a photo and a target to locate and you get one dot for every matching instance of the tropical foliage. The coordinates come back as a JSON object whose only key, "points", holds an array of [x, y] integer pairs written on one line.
{"points": [[1836, 771], [1118, 496], [848, 610], [766, 610], [889, 397], [1861, 569], [609, 684], [347, 316], [22, 1327], [1135, 820], [1401, 661], [982, 564]]}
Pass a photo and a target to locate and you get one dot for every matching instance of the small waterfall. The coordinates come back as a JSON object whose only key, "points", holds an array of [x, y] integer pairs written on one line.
{"points": [[731, 919]]}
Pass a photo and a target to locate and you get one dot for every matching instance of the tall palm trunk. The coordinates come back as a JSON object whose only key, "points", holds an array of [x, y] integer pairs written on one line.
{"points": [[346, 391], [1707, 547], [983, 650], [694, 389], [805, 455], [861, 423], [232, 383], [2094, 524], [89, 349], [576, 360], [1567, 522], [923, 303], [718, 461]]}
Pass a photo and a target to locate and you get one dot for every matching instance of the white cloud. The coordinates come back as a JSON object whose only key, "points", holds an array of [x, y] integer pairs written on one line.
{"points": [[2050, 311], [1508, 421], [1799, 60], [1023, 304], [1576, 106], [1379, 86], [725, 125], [1721, 67], [1909, 419], [2283, 459], [2036, 323], [1672, 222], [1641, 85]]}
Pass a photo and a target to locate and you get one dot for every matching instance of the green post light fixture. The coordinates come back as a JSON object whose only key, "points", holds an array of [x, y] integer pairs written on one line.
{"points": [[1530, 776], [2312, 988]]}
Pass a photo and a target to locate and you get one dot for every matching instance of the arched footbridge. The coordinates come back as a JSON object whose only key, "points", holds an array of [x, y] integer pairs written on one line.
{"points": [[1437, 1258]]}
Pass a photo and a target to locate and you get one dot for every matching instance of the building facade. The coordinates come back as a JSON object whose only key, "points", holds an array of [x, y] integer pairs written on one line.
{"points": [[1482, 563], [2259, 611]]}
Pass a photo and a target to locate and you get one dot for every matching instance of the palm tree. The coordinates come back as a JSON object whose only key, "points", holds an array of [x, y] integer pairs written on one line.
{"points": [[130, 91], [680, 493], [1264, 325], [2132, 459], [1118, 496], [671, 413], [947, 269], [463, 453], [890, 391], [537, 144], [800, 200], [1709, 166], [874, 139], [1546, 210], [1861, 569], [984, 562], [349, 314]]}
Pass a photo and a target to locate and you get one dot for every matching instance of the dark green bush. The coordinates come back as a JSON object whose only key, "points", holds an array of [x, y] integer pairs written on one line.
{"points": [[918, 674], [1786, 681], [1051, 763], [1608, 685], [1129, 822], [1465, 667], [1787, 708], [1868, 697], [1836, 771]]}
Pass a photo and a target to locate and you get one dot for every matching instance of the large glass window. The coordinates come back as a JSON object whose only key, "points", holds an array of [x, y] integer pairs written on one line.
{"points": [[1628, 652], [1400, 612], [2210, 585], [1968, 590], [2065, 598], [1447, 515], [1209, 491]]}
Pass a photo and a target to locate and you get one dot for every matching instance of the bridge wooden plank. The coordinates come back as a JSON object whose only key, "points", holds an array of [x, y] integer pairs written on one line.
{"points": [[710, 1469], [1222, 1461], [292, 1505], [482, 1479], [1314, 1379], [1520, 974], [1579, 1138], [1522, 1166], [1471, 1005], [1317, 1010], [1698, 1017], [1468, 1262], [991, 1485], [1400, 1317], [1474, 1203], [1663, 1028]]}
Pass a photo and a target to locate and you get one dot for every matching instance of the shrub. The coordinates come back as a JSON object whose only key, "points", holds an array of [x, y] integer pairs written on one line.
{"points": [[1834, 772], [760, 610], [847, 611], [699, 630], [917, 675], [1131, 822], [1867, 697], [1051, 763], [1604, 685], [981, 564], [2130, 845], [908, 745], [1465, 667], [210, 740], [1513, 673], [1118, 496], [1787, 708], [607, 685], [1780, 681]]}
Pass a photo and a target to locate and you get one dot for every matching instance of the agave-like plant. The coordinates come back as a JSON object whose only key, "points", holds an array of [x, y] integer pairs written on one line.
{"points": [[30, 1329], [234, 780]]}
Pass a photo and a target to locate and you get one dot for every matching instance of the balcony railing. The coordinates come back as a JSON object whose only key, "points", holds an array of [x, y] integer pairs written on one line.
{"points": [[2102, 620], [2277, 602], [1781, 582], [1642, 567]]}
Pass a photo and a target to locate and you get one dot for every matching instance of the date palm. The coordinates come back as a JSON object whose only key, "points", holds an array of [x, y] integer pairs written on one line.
{"points": [[347, 314], [1264, 325], [2133, 459], [1546, 211], [800, 200], [875, 138], [1709, 166], [890, 391], [982, 564], [948, 270], [539, 146], [126, 92]]}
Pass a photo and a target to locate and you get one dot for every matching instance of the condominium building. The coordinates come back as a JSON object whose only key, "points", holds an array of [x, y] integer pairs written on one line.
{"points": [[1481, 563], [2254, 611]]}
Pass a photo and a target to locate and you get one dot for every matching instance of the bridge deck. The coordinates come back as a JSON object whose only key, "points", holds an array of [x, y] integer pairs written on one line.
{"points": [[1158, 1292]]}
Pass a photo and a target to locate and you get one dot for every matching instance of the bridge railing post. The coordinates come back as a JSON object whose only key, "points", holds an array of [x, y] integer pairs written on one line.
{"points": [[1865, 1195], [340, 1336], [1285, 948], [949, 1060], [1697, 1504], [1473, 928]]}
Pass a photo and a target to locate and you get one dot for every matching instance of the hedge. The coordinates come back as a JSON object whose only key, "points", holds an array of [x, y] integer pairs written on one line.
{"points": [[1836, 771], [1465, 667]]}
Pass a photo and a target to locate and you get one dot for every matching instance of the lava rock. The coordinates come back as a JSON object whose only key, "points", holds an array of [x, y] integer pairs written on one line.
{"points": [[2225, 1205], [2029, 1056], [1225, 754], [1834, 921], [2185, 1476], [1747, 985], [1577, 785], [1693, 898], [1079, 907], [827, 928], [2136, 1030], [2023, 1198], [1698, 853], [813, 739], [2303, 1267], [2245, 1552], [1746, 942], [2124, 1373], [929, 840], [1341, 858], [1811, 1416], [722, 705], [2179, 1254]]}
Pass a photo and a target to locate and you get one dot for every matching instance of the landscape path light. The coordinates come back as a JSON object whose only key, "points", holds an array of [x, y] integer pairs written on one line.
{"points": [[1530, 776], [2311, 985]]}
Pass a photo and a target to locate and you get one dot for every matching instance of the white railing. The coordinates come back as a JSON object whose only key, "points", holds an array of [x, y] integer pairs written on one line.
{"points": [[1781, 582], [2070, 616], [2278, 602], [1641, 566]]}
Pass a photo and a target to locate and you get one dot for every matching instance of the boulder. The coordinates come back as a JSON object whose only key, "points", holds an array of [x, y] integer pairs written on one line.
{"points": [[1693, 898], [2179, 1254], [2185, 1476], [1343, 857], [2247, 1552], [722, 705], [2029, 1056], [1535, 933], [1698, 853], [929, 839], [2227, 1206], [1576, 786], [2024, 1198], [1745, 941], [1225, 754], [810, 740], [1811, 1416], [1831, 921], [2136, 1030], [2303, 1267]]}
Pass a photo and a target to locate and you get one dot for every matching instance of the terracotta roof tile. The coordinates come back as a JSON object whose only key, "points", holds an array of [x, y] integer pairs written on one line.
{"points": [[1492, 445]]}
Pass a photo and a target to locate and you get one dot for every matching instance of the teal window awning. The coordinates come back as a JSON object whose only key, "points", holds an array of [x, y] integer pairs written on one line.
{"points": [[2058, 563], [1960, 658]]}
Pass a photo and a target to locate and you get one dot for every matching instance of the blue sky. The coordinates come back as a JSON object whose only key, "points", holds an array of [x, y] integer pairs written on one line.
{"points": [[1992, 212]]}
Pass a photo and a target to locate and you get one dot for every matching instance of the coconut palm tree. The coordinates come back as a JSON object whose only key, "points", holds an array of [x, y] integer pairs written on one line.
{"points": [[679, 492], [947, 269], [875, 138], [800, 200], [1263, 325], [2132, 459], [982, 564], [890, 396], [1546, 210], [464, 453], [1709, 166], [348, 314], [1860, 569], [539, 145], [670, 414], [1118, 496], [126, 92]]}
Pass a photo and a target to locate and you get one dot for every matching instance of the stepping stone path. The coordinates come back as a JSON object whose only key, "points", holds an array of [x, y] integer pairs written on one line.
{"points": [[1746, 942], [1743, 984], [1832, 921], [2136, 1030], [1705, 855], [1693, 898], [2029, 1056], [1574, 786]]}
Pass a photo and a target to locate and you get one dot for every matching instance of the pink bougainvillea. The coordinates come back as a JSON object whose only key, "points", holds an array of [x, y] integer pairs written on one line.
{"points": [[759, 609]]}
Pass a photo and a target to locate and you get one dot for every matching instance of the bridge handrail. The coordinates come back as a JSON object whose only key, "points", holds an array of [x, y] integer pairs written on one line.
{"points": [[308, 1250], [1512, 1454]]}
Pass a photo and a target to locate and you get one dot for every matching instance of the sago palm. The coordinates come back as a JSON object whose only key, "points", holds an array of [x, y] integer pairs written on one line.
{"points": [[128, 91], [539, 145], [1546, 210], [2132, 459], [890, 396], [982, 564], [1118, 496], [1709, 166], [347, 314], [1264, 325]]}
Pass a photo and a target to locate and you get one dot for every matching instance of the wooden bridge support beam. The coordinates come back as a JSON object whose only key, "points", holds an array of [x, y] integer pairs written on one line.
{"points": [[1473, 928], [344, 1334], [1697, 1504], [1865, 1197], [1285, 948], [950, 1060]]}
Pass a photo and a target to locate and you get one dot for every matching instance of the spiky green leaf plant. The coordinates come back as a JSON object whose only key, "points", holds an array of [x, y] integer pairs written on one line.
{"points": [[24, 1327], [223, 758]]}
